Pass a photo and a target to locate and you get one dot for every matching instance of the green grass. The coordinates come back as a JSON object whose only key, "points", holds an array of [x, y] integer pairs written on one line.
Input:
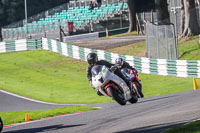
{"points": [[154, 85], [46, 76], [121, 35], [50, 77], [188, 49], [189, 128], [17, 117], [136, 49], [125, 34]]}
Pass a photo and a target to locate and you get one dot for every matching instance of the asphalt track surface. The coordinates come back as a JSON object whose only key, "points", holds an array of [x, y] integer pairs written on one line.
{"points": [[10, 103], [149, 115], [109, 43]]}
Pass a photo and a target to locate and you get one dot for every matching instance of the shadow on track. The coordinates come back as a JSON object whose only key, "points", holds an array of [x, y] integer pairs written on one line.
{"points": [[156, 99], [43, 129], [154, 128]]}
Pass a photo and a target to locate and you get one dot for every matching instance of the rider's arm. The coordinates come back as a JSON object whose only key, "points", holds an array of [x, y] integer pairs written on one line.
{"points": [[127, 65], [104, 62], [89, 74]]}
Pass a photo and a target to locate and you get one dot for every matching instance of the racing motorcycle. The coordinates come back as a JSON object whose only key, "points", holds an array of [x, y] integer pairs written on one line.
{"points": [[131, 75], [109, 84]]}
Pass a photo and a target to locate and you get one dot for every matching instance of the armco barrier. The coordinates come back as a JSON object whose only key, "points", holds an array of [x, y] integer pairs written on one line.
{"points": [[20, 45], [177, 68]]}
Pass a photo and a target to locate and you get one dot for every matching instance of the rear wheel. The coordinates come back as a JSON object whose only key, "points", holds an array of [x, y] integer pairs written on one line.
{"points": [[117, 96]]}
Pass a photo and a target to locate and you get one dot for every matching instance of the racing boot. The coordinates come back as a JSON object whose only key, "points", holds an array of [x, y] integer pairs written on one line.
{"points": [[99, 93]]}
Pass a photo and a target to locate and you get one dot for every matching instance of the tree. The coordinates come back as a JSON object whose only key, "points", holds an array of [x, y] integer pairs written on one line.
{"points": [[189, 21], [136, 6], [132, 14], [162, 11]]}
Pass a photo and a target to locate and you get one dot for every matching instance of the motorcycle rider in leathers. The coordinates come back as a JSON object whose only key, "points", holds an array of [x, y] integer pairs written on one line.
{"points": [[120, 63], [92, 60]]}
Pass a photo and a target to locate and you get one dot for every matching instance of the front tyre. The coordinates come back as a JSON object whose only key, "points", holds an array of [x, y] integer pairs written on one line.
{"points": [[117, 96], [139, 91], [134, 98]]}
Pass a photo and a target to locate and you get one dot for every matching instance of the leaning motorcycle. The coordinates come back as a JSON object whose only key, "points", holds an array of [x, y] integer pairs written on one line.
{"points": [[133, 77], [109, 84]]}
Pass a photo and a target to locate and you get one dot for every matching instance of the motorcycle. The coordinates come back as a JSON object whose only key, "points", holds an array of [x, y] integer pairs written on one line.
{"points": [[109, 84], [131, 75]]}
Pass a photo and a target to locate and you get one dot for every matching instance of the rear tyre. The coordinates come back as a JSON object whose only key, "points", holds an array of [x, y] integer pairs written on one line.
{"points": [[117, 96]]}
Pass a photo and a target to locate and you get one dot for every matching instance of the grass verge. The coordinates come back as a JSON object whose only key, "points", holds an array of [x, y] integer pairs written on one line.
{"points": [[188, 49], [121, 35], [49, 77], [189, 128], [46, 76], [136, 49], [17, 117]]}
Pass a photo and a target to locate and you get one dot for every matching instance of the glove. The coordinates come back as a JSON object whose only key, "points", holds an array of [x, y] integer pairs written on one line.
{"points": [[113, 68], [135, 71]]}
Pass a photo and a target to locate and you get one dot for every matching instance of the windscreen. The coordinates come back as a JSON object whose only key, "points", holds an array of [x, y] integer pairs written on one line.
{"points": [[96, 69]]}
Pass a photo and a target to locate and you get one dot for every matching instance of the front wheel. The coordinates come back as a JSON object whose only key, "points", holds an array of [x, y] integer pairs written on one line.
{"points": [[117, 96], [134, 98], [139, 91]]}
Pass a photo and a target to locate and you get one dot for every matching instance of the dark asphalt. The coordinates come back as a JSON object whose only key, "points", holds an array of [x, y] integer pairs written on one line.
{"points": [[9, 103], [149, 115], [109, 43]]}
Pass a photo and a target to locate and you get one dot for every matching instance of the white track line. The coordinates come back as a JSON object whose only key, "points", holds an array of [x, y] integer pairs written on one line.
{"points": [[37, 101]]}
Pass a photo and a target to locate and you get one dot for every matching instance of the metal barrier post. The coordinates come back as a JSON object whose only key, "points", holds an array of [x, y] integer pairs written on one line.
{"points": [[167, 45]]}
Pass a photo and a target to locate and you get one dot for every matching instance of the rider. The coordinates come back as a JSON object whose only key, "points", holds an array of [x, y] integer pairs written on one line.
{"points": [[92, 60], [120, 63]]}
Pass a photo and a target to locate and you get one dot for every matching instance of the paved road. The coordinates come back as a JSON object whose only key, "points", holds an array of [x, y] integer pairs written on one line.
{"points": [[109, 43], [149, 115], [9, 103]]}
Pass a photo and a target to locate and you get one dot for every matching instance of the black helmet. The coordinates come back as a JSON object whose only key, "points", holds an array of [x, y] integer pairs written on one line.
{"points": [[119, 62], [92, 58]]}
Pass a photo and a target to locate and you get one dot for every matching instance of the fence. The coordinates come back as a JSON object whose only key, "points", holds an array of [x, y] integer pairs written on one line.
{"points": [[33, 29], [161, 41], [178, 68]]}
